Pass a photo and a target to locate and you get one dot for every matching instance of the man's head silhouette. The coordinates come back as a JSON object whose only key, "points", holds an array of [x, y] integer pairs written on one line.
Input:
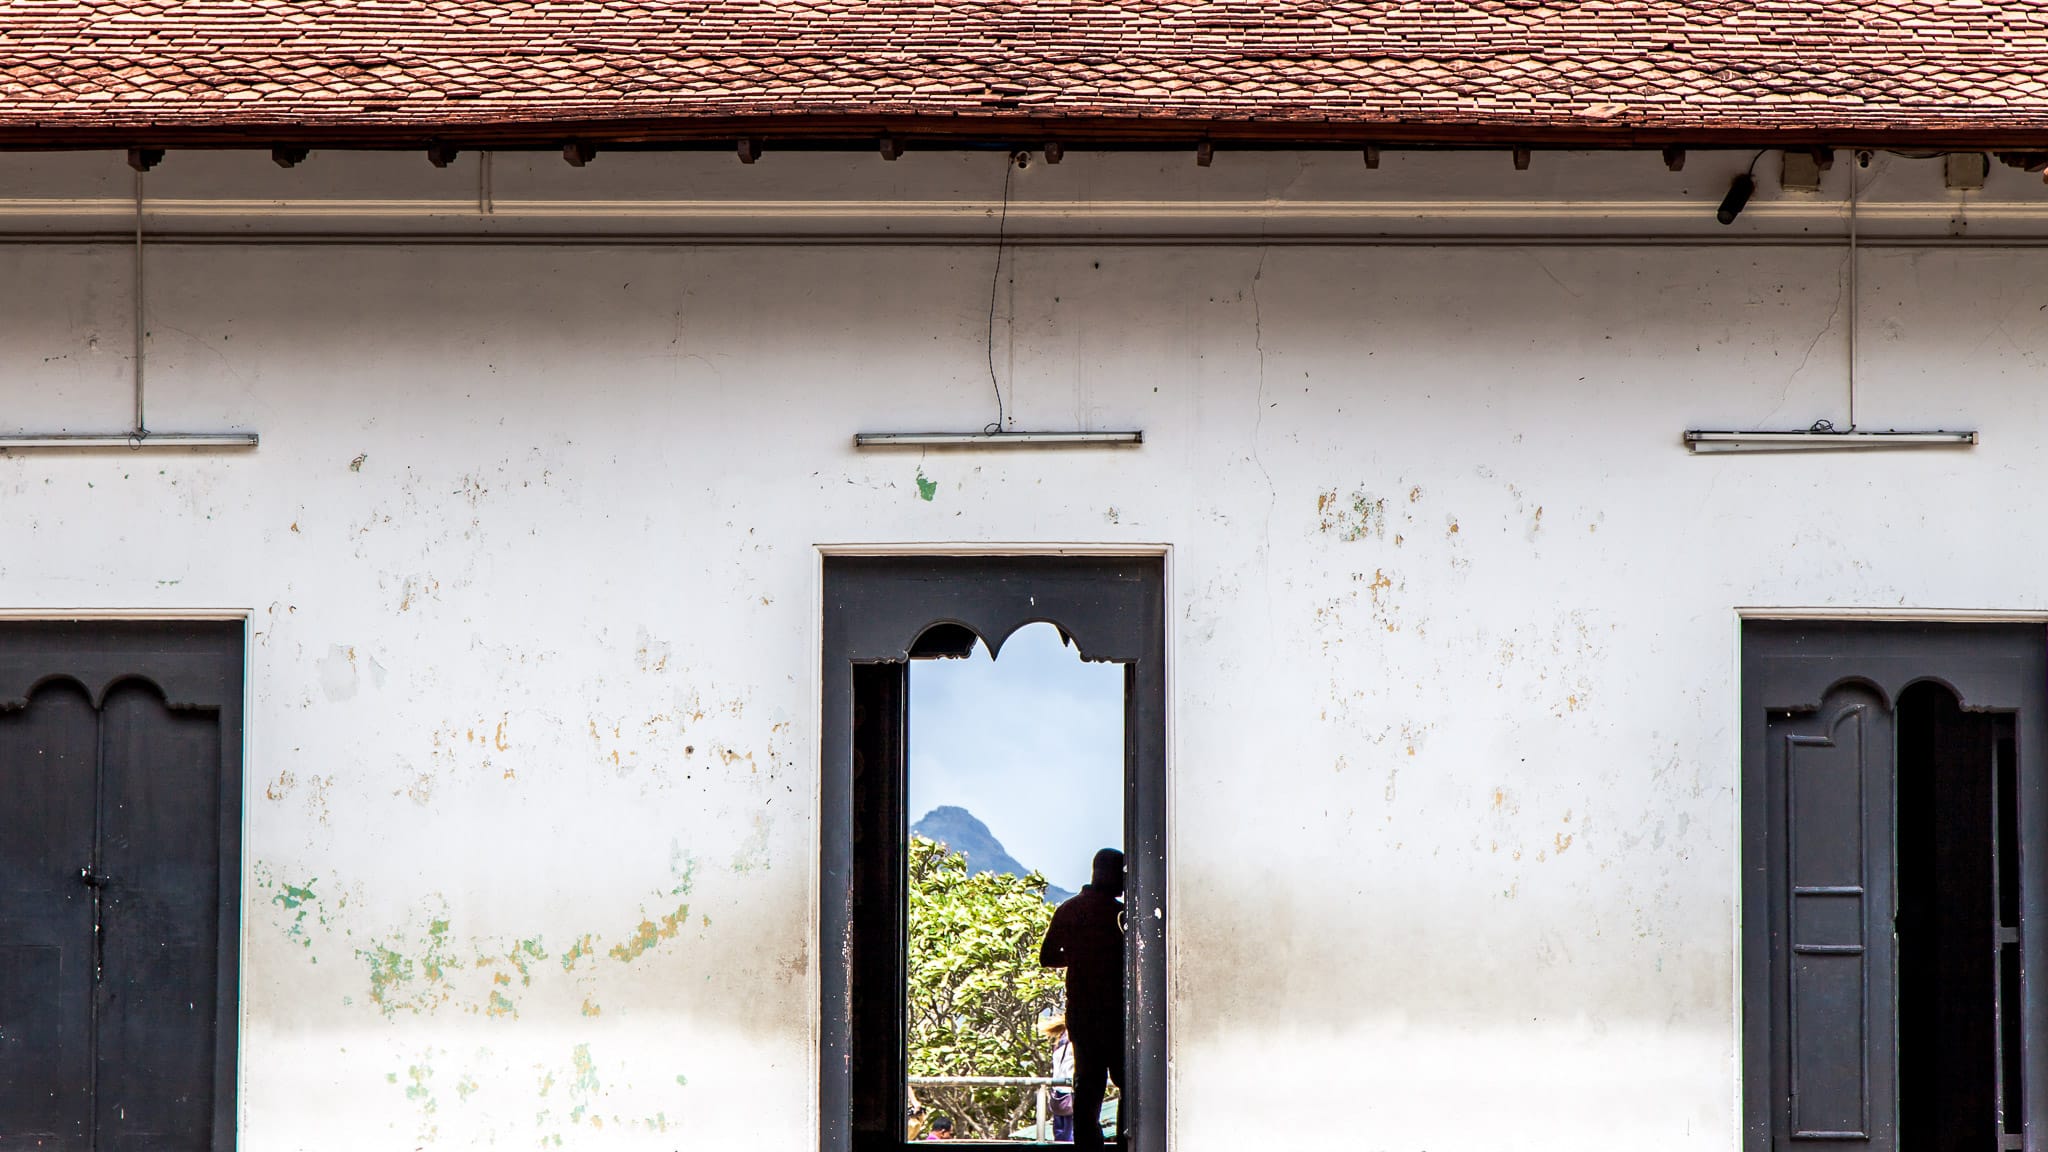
{"points": [[1109, 872]]}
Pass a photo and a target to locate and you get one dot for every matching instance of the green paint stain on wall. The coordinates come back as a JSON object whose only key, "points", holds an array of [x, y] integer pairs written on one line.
{"points": [[683, 867], [294, 895], [586, 1072], [926, 489], [682, 1080], [435, 959], [416, 983], [649, 934], [525, 953], [418, 1089], [578, 951], [294, 898], [584, 1085], [388, 970]]}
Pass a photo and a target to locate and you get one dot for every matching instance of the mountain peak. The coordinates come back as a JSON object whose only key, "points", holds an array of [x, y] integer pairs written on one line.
{"points": [[963, 832]]}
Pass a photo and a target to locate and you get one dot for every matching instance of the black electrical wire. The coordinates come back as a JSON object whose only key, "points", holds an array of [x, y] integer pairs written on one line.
{"points": [[994, 281]]}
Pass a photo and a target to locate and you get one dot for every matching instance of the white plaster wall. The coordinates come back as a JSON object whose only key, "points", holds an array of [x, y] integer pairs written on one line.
{"points": [[529, 552]]}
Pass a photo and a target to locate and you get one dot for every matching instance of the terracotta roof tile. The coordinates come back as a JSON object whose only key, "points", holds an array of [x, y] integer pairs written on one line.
{"points": [[1406, 66]]}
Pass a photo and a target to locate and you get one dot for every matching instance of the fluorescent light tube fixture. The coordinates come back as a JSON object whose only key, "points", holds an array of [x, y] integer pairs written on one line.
{"points": [[128, 440], [987, 439], [1824, 440]]}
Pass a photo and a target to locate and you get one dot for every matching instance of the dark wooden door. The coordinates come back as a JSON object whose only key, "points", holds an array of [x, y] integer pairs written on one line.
{"points": [[1832, 776], [1894, 905], [120, 788]]}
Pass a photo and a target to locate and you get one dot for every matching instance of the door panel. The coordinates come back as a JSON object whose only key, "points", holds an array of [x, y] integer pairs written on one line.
{"points": [[1832, 921], [47, 751], [159, 912]]}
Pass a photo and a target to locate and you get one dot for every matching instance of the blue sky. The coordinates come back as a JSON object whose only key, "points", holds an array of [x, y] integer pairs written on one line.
{"points": [[1031, 743]]}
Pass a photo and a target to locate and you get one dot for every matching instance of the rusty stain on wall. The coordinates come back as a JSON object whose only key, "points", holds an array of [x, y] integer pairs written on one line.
{"points": [[649, 934], [1357, 517]]}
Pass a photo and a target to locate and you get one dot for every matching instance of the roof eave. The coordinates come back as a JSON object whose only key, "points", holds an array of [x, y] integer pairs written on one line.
{"points": [[827, 131]]}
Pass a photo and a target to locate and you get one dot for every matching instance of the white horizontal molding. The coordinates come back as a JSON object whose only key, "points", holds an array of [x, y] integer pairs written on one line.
{"points": [[1913, 615], [60, 612], [982, 548]]}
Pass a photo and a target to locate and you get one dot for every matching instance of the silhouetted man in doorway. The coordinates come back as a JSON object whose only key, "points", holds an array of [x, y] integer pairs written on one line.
{"points": [[1087, 939]]}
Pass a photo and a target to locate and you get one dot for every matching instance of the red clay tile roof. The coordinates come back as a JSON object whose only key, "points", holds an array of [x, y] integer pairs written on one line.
{"points": [[1612, 71]]}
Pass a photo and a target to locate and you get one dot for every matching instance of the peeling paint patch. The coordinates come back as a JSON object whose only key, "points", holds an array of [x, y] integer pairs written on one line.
{"points": [[420, 1092], [420, 790], [649, 934], [388, 971], [754, 853], [585, 1085], [577, 951], [683, 867], [337, 671], [590, 1009], [399, 981], [1351, 519], [650, 654], [294, 898], [293, 895], [415, 589], [523, 954], [432, 962], [926, 489]]}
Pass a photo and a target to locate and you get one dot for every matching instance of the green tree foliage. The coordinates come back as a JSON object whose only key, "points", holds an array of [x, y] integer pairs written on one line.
{"points": [[976, 990]]}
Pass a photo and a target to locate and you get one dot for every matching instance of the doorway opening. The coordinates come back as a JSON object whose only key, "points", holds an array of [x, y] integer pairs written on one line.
{"points": [[889, 622], [1957, 923], [1895, 808], [1015, 782]]}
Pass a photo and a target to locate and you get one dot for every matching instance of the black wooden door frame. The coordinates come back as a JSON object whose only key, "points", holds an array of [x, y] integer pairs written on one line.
{"points": [[186, 679], [874, 604], [1790, 662]]}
